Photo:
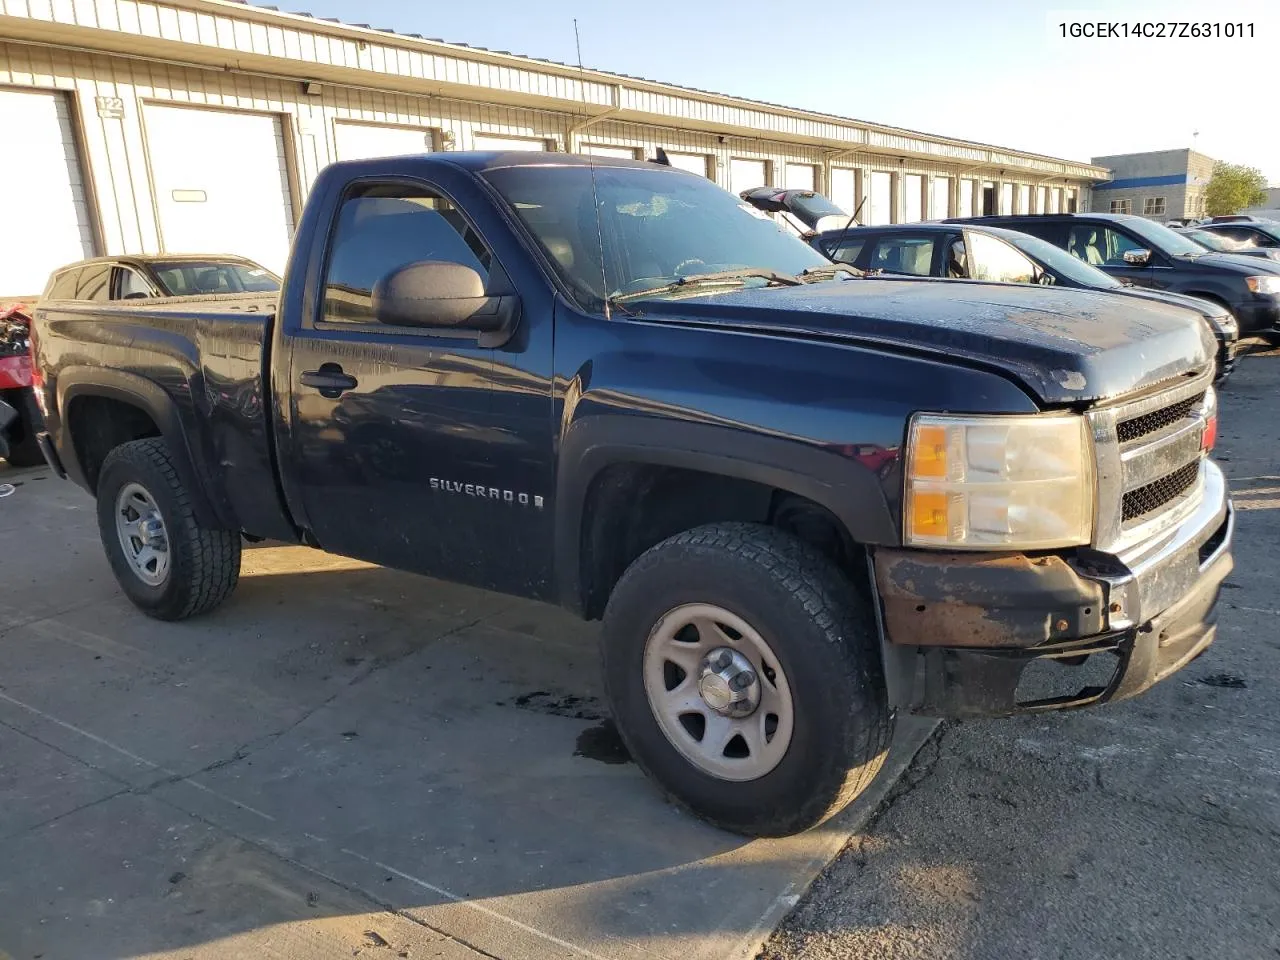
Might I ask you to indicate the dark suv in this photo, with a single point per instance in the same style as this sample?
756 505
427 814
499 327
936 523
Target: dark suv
1152 255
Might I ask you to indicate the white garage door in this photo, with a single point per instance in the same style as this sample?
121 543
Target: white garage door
799 176
912 198
1024 198
844 193
747 174
604 150
966 199
46 219
881 204
359 141
221 183
940 201
495 141
693 162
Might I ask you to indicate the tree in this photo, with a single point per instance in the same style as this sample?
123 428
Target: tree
1232 188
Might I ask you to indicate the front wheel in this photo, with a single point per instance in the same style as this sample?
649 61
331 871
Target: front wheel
744 675
169 565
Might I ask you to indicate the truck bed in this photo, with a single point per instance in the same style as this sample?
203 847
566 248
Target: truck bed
210 355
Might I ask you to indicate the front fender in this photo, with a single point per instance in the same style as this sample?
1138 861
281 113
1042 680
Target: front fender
851 491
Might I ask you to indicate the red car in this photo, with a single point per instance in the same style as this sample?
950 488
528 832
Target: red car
18 442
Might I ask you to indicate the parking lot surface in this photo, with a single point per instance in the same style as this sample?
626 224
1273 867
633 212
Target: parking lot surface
343 760
1149 828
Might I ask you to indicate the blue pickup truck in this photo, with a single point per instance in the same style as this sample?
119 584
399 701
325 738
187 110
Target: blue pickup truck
802 502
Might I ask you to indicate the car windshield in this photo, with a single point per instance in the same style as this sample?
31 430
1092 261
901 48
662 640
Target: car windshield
618 231
1213 241
187 278
1061 262
1163 239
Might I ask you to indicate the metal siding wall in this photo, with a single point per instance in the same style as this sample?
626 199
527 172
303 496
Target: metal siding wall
115 152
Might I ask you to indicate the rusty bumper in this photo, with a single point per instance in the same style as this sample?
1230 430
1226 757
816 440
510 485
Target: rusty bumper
961 630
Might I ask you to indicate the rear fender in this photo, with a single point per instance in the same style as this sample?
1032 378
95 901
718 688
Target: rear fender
79 382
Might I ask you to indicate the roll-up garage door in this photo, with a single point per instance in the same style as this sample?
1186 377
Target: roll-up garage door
799 176
604 150
495 141
844 193
940 198
912 198
747 174
42 195
693 162
221 182
881 204
359 141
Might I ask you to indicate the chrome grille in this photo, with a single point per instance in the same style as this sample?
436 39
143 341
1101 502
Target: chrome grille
1148 499
1149 458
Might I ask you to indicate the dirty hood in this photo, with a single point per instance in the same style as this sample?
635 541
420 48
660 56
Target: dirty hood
1064 346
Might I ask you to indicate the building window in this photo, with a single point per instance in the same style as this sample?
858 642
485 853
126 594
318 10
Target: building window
1122 206
1152 207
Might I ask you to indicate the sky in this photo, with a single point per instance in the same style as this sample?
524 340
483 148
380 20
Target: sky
998 73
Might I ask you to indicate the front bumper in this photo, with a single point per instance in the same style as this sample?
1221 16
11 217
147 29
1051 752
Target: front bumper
1258 315
961 630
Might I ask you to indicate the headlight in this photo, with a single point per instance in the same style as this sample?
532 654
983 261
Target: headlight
1011 483
1270 285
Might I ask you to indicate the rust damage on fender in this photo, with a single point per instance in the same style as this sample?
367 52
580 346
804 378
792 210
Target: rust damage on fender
988 601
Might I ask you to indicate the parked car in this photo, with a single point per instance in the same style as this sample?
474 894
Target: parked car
161 275
1151 255
1236 218
18 434
804 210
1253 235
1221 243
609 385
971 252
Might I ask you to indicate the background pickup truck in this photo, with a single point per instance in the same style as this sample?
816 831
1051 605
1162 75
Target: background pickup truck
800 501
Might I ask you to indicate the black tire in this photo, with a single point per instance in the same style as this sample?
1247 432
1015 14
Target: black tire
23 449
820 630
204 564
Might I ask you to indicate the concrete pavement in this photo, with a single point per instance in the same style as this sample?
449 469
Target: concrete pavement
342 760
1145 829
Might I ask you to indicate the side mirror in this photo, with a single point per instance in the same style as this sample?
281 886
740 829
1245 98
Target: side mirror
445 296
1137 258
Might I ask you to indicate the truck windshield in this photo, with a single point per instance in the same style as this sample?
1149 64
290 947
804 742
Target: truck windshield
628 229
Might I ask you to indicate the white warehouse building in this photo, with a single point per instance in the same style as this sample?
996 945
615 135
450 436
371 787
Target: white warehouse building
150 126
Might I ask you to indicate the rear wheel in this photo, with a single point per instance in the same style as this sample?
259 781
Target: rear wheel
169 565
744 675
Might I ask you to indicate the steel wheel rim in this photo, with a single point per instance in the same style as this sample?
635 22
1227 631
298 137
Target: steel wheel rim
726 747
143 537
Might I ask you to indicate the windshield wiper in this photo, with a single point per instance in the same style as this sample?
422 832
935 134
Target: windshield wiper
810 274
710 279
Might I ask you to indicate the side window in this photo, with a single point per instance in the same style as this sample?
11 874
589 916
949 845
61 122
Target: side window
1099 245
992 259
957 264
845 251
130 286
381 227
907 254
94 283
1248 236
63 285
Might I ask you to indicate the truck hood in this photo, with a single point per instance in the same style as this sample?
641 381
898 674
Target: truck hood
1064 346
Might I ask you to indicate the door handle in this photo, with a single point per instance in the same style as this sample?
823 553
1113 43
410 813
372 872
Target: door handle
329 380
